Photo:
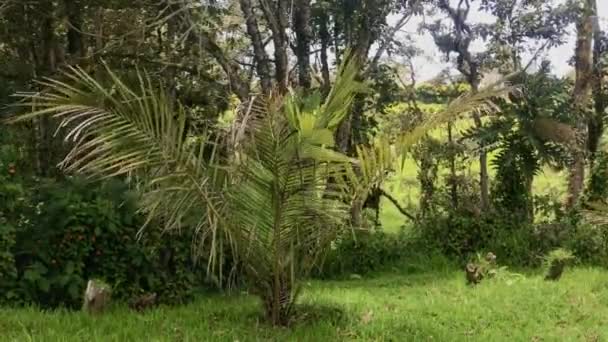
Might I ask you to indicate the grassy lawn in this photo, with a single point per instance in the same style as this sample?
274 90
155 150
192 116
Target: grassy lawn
406 305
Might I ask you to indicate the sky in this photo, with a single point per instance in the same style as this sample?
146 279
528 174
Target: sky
432 61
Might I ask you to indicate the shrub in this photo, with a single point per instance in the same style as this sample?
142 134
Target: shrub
461 235
8 272
78 230
362 253
589 243
11 203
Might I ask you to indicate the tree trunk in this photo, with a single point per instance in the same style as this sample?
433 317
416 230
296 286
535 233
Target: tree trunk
336 40
277 20
325 42
468 66
261 58
74 34
303 36
452 160
46 67
595 124
373 202
580 97
484 181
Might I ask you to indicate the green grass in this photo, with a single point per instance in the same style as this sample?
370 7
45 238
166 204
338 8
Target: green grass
419 306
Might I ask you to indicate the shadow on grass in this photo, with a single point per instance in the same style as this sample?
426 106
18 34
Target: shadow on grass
312 314
305 315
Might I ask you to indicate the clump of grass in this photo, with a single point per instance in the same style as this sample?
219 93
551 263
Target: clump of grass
555 262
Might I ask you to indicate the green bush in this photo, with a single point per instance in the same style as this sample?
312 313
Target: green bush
362 253
461 235
12 199
77 230
589 243
8 271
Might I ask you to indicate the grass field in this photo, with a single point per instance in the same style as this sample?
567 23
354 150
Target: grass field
409 304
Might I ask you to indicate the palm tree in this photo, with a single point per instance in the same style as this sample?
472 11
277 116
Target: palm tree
262 186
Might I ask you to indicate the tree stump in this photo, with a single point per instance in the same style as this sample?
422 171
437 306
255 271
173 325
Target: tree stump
96 297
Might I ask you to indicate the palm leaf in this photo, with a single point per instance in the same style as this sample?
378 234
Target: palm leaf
115 130
374 161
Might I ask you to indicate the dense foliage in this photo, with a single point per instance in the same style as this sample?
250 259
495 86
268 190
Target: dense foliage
56 234
93 236
162 145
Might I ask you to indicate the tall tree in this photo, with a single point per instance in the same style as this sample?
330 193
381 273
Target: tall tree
458 40
595 125
516 26
303 30
581 95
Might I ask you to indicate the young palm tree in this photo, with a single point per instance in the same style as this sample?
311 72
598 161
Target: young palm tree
263 186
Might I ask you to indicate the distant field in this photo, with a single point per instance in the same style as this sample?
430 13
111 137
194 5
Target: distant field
404 186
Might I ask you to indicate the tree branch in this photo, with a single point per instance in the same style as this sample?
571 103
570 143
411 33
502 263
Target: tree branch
390 36
397 205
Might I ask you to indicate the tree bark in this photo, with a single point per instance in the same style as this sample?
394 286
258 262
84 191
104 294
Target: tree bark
260 55
452 160
74 34
580 99
46 67
325 42
303 36
484 179
276 15
595 124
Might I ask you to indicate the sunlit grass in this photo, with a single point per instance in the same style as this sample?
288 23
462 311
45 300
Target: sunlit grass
401 306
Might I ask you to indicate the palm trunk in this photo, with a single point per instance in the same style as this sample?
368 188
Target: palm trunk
278 305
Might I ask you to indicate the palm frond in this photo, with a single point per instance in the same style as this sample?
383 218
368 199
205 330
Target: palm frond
117 130
374 161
